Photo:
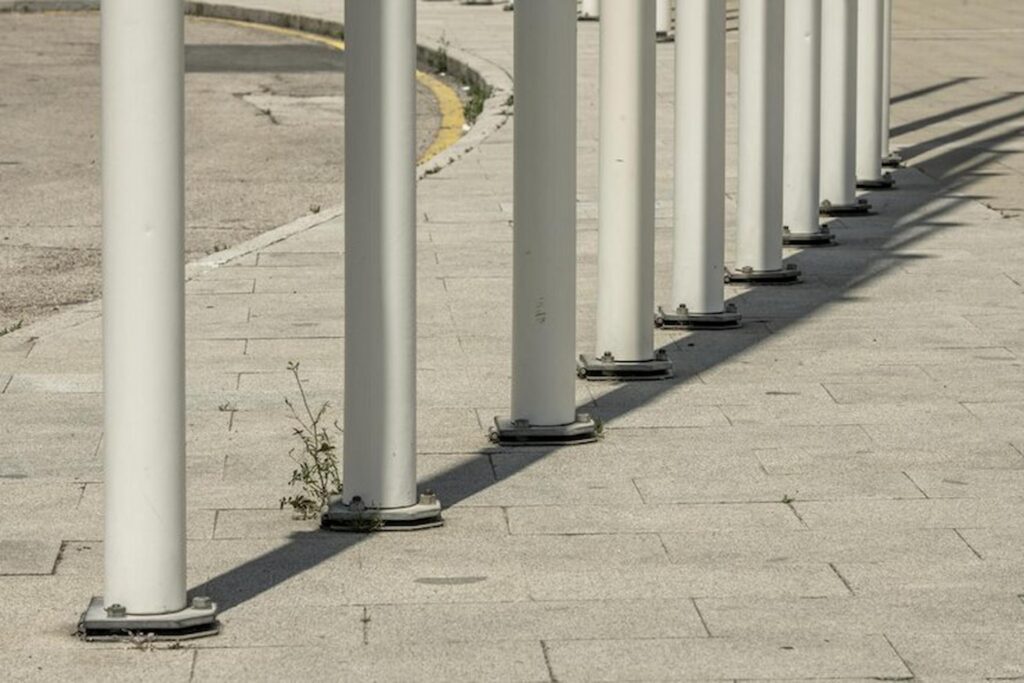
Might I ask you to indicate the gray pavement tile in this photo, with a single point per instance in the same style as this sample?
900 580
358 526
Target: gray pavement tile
28 557
748 546
794 460
996 543
85 662
725 658
968 483
686 581
958 575
986 653
512 661
533 621
892 614
565 519
945 513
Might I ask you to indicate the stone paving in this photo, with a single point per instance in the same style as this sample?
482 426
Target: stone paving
831 492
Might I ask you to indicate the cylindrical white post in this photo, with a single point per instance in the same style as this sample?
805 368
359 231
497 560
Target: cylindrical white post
663 20
544 237
380 269
839 109
801 165
698 245
870 33
888 157
625 290
590 10
142 55
761 101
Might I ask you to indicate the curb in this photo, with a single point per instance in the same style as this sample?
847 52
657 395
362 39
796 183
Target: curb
464 66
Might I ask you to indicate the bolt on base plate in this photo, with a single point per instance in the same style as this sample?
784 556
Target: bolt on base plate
788 275
886 182
509 432
606 368
822 238
355 517
102 624
860 207
892 160
682 319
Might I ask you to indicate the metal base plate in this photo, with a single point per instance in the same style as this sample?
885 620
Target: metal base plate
886 182
606 368
789 275
355 517
822 238
509 432
893 160
861 207
198 620
664 37
682 319
587 17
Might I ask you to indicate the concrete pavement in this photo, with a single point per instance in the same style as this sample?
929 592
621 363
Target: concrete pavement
831 492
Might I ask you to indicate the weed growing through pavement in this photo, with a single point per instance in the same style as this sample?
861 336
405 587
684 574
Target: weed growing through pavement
438 59
13 327
316 471
474 106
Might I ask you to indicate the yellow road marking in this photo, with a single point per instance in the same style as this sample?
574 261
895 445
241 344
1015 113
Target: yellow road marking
452 119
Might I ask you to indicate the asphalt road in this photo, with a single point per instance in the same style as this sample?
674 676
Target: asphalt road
265 144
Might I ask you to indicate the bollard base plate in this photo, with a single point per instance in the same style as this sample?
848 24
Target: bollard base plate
822 238
886 182
509 432
860 207
607 369
664 37
355 517
682 319
789 275
198 620
892 160
587 17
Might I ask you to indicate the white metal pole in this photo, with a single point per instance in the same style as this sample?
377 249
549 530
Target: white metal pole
590 10
663 25
380 270
801 158
839 109
889 157
698 296
625 290
870 33
142 55
544 238
761 96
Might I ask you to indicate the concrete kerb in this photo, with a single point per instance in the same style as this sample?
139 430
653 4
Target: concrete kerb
463 66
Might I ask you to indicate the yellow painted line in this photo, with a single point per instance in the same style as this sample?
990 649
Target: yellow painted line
453 120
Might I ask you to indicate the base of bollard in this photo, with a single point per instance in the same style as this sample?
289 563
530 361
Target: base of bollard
822 238
355 517
102 624
682 319
886 182
860 207
588 17
509 432
789 275
892 160
606 368
664 37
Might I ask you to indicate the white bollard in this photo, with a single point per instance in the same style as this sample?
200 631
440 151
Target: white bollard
544 242
379 484
663 21
801 158
625 290
870 34
142 46
839 110
761 100
698 290
590 10
890 158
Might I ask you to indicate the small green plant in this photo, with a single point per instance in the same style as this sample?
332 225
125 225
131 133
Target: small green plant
786 499
317 459
13 327
474 106
438 59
